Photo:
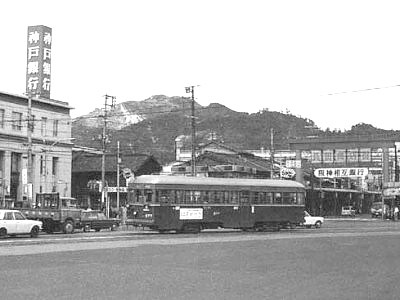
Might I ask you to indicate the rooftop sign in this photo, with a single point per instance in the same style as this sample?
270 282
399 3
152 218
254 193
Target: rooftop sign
39 61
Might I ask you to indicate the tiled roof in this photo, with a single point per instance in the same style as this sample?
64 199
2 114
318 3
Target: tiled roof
92 162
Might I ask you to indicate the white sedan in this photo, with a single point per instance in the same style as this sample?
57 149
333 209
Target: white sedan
310 220
13 222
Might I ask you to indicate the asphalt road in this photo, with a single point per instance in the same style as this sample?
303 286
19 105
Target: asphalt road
351 259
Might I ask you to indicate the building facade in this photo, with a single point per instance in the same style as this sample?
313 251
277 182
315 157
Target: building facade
44 131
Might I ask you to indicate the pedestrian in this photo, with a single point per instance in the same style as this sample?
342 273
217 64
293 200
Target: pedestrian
396 213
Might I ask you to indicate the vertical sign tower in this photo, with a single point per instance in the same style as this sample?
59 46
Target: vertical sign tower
38 69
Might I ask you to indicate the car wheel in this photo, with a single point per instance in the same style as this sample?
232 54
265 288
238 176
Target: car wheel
35 232
69 227
318 224
3 232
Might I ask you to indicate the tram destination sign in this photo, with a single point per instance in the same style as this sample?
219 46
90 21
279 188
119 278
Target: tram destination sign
340 172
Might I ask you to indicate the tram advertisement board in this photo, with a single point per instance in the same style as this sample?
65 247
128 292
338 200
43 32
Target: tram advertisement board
191 214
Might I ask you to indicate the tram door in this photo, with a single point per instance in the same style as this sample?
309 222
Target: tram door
246 210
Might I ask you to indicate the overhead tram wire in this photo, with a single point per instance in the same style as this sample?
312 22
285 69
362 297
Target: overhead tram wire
365 90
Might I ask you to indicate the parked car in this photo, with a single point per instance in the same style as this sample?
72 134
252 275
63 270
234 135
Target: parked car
97 220
348 211
376 209
310 220
13 222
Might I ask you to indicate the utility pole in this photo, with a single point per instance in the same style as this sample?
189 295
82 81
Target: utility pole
104 197
396 164
118 166
29 166
272 153
190 89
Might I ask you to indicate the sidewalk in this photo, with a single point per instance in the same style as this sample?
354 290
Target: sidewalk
360 217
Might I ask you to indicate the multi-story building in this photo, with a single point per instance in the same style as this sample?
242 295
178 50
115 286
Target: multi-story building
49 143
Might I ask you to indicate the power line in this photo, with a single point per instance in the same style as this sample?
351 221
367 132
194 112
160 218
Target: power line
365 90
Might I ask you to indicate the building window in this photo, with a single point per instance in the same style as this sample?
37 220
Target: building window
55 166
365 155
1 164
316 156
42 165
43 126
352 155
328 156
16 121
340 155
2 112
55 128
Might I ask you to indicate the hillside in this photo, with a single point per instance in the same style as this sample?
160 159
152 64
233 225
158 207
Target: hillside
151 126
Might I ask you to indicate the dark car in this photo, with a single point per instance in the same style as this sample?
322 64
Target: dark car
97 220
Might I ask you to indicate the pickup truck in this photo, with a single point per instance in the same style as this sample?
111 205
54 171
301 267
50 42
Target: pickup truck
97 220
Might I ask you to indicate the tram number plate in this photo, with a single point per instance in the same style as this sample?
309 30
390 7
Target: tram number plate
191 214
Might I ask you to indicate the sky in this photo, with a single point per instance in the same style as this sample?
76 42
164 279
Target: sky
334 62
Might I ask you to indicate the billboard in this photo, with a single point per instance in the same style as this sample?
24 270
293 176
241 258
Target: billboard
38 70
340 172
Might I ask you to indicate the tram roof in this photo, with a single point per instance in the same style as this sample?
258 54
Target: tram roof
165 179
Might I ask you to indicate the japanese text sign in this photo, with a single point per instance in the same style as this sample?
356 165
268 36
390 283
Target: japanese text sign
38 69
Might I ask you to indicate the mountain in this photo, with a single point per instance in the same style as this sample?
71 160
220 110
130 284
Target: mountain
152 125
132 112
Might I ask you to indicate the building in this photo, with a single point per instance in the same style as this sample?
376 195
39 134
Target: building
49 142
86 175
218 160
346 170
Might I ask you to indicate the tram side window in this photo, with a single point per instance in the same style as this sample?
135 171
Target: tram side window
192 197
256 198
266 198
217 196
288 198
163 196
148 195
137 196
278 198
244 197
205 196
226 197
300 198
179 196
234 197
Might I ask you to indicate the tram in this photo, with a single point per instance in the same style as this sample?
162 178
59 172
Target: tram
190 204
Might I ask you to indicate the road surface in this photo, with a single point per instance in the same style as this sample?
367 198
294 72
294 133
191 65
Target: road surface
342 260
